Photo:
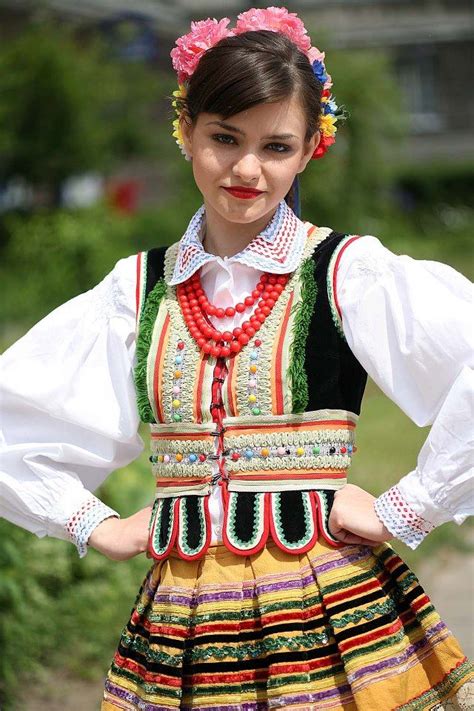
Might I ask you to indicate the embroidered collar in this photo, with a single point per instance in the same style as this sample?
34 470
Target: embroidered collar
277 249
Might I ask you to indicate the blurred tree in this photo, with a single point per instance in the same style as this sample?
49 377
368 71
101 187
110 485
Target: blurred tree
355 178
68 109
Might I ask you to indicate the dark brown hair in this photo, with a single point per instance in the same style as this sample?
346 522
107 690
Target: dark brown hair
253 68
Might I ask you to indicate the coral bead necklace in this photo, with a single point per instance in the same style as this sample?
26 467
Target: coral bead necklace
197 309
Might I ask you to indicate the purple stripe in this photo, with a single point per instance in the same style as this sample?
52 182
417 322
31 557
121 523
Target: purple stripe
341 562
310 698
245 706
132 698
395 661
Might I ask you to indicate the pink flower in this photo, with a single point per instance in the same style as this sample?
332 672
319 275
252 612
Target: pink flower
277 19
190 48
315 55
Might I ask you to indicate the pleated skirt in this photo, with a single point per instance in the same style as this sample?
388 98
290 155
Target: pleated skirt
348 628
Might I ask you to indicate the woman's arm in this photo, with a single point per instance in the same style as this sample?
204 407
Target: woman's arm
408 322
69 414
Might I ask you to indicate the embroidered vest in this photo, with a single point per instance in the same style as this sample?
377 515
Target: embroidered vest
283 435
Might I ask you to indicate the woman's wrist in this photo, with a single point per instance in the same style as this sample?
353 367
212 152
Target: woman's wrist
122 538
102 532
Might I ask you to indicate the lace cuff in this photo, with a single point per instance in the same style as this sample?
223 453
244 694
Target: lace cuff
81 524
396 514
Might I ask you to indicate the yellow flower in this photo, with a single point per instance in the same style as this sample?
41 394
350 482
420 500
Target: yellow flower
327 125
180 93
177 132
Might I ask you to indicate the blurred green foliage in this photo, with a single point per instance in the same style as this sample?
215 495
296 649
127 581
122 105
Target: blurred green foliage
65 109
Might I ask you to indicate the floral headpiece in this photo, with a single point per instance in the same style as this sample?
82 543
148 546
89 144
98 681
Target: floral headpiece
206 33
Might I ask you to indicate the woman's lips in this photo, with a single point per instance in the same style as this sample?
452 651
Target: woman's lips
244 193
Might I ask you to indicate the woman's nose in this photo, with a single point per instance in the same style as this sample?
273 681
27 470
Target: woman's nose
247 167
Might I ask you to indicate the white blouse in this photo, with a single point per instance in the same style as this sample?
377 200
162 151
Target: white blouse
69 409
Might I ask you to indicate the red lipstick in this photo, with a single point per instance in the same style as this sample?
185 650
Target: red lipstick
243 193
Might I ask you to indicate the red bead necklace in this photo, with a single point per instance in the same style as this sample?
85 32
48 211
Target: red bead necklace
196 309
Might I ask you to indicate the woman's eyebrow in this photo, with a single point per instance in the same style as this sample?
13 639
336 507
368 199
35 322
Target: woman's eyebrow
228 127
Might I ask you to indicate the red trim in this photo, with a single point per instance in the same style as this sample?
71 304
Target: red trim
230 394
181 435
334 275
207 540
266 526
285 474
278 359
151 550
226 678
279 542
151 676
420 602
331 541
284 425
156 372
370 637
138 284
352 593
202 368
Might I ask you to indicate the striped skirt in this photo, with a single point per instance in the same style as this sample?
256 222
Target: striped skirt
346 628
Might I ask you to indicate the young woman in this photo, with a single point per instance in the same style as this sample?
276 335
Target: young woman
272 585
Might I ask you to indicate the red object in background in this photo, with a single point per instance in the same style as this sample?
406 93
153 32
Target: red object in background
124 195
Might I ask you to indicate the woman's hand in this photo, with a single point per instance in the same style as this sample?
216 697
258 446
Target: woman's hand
122 538
353 518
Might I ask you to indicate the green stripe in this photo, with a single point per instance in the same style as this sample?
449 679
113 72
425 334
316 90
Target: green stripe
145 331
296 369
167 691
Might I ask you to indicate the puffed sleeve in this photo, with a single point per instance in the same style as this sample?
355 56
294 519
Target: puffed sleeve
69 414
409 323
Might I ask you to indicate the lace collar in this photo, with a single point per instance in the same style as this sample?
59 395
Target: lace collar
277 249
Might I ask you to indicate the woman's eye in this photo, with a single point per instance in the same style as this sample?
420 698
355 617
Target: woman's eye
225 138
278 147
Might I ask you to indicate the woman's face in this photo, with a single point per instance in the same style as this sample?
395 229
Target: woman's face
262 148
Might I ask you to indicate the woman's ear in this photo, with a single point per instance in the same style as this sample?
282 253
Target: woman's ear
310 147
186 127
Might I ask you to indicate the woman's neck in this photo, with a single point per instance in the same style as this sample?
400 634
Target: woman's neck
224 238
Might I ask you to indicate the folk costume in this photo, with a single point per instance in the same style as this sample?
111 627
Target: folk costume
250 602
250 372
